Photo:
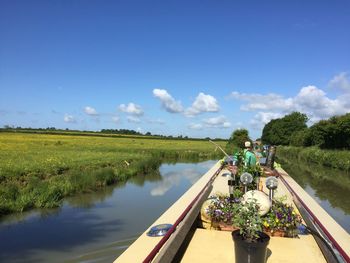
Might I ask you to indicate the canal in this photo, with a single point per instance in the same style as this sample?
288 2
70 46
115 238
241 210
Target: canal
96 227
329 187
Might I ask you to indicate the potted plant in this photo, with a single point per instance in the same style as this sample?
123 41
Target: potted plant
221 210
282 220
250 242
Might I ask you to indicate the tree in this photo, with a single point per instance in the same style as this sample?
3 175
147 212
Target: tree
333 133
299 138
280 131
237 139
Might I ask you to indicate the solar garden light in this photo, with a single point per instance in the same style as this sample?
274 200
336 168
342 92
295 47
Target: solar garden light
159 230
246 178
257 180
232 182
271 184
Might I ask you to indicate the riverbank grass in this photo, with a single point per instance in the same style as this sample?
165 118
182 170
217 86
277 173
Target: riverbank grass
39 170
339 159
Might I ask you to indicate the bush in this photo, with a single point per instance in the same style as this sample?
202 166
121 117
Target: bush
237 139
339 159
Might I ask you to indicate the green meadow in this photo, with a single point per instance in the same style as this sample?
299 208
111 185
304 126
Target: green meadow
39 170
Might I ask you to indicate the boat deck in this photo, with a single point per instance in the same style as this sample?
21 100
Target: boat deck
207 245
217 246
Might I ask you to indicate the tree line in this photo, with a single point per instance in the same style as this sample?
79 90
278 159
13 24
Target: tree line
333 133
112 132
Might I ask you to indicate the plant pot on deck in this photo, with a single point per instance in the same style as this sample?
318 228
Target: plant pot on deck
223 226
247 251
275 233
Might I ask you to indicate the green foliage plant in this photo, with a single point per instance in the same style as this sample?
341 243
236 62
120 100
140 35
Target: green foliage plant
248 220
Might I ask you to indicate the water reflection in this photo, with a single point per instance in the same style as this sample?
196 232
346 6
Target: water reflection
87 200
173 178
329 187
95 227
65 231
140 180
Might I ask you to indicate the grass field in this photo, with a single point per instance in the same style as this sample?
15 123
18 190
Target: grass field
39 170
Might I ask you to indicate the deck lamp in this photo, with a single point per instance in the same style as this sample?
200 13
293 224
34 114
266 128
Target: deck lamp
271 184
246 178
231 184
232 179
257 180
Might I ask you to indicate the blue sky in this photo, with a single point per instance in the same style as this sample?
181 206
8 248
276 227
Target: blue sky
191 68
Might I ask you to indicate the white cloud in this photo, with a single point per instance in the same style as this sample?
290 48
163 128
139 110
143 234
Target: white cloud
262 118
340 82
115 119
133 119
195 126
90 111
203 103
168 102
255 101
132 109
215 122
69 119
156 121
310 100
316 104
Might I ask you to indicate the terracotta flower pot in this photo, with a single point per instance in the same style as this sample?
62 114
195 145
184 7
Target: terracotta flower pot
275 233
224 227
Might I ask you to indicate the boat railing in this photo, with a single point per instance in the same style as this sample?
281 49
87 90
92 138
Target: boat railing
331 249
187 218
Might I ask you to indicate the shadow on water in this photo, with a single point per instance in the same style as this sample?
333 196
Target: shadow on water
330 186
19 243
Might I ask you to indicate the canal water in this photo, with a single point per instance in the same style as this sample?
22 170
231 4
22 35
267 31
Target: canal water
96 227
329 187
